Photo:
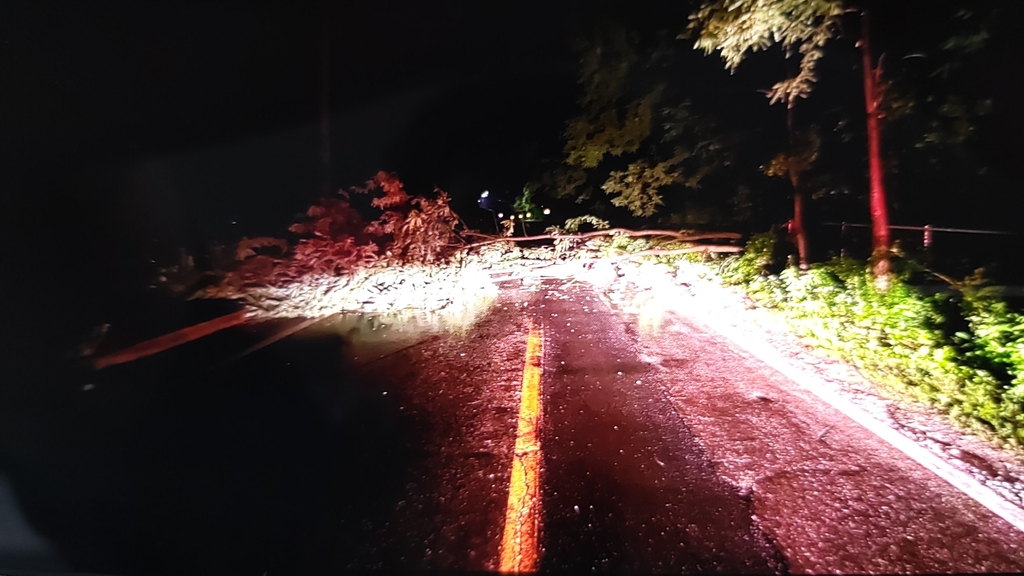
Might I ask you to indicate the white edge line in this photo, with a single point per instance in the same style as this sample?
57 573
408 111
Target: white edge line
958 479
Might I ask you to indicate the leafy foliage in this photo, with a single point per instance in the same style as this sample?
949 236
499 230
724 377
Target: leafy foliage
427 232
633 137
900 338
684 149
621 243
572 225
802 154
589 138
738 27
636 187
335 239
328 256
995 340
525 204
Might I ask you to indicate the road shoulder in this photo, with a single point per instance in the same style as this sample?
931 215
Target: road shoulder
831 495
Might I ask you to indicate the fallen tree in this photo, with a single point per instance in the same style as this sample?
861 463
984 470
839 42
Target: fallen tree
710 249
414 256
673 234
168 341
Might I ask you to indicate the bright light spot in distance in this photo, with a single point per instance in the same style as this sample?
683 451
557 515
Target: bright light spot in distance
501 215
547 211
529 215
485 194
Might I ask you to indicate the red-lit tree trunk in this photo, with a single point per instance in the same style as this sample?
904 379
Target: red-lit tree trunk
797 228
877 200
799 231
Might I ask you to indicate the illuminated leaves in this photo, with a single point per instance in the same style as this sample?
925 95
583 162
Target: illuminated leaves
803 153
589 139
525 204
435 232
319 255
736 28
394 190
899 337
419 229
613 124
629 143
787 91
572 225
335 239
637 188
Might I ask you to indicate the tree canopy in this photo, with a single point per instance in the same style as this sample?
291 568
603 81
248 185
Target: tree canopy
636 134
736 28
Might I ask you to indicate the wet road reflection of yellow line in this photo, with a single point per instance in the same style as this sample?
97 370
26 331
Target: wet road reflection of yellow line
519 543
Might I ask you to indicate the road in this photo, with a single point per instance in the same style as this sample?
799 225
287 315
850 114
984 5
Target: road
654 445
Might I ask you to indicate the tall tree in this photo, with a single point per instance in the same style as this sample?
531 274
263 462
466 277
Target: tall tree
633 137
873 95
736 28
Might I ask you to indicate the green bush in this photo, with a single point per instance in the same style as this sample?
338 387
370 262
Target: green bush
963 353
620 243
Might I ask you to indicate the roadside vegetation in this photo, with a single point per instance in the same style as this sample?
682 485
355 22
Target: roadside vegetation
961 351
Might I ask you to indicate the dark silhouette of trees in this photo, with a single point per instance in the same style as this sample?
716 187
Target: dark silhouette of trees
737 28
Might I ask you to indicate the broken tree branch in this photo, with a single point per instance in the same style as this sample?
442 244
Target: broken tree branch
675 235
677 251
167 341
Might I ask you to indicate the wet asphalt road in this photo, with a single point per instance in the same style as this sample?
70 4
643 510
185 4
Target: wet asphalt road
357 445
627 487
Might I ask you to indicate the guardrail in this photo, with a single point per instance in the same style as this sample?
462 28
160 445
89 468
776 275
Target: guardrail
927 230
1011 278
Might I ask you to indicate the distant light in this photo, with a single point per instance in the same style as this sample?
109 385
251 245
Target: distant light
485 194
501 215
529 215
512 217
547 211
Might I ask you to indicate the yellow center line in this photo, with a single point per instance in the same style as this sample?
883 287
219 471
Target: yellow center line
519 544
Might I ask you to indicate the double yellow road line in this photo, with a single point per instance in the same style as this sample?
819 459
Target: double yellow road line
520 541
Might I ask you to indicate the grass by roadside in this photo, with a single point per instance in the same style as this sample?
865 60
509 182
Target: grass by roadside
962 352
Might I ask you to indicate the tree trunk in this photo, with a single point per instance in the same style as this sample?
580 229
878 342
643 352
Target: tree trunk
798 230
877 200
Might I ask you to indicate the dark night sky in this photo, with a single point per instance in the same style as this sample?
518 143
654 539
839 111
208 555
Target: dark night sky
219 104
132 128
128 129
155 107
